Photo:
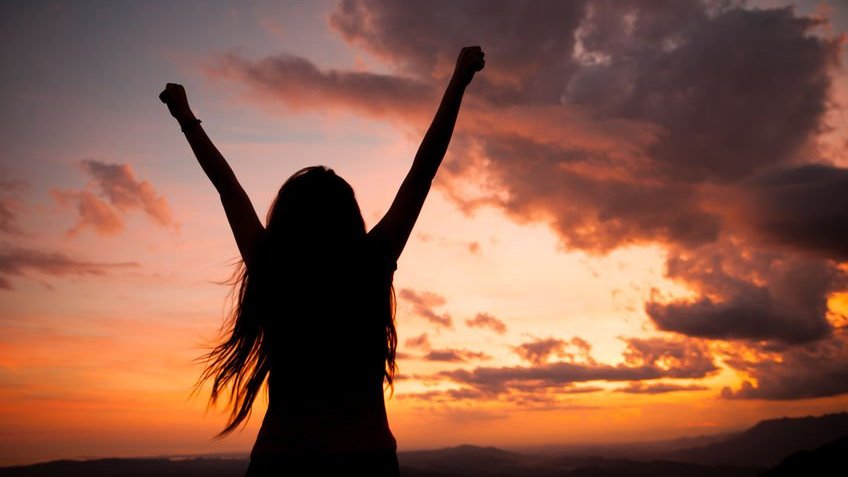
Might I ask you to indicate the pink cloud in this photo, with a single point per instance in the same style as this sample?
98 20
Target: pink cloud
422 341
10 205
92 212
541 350
425 303
16 261
114 191
485 320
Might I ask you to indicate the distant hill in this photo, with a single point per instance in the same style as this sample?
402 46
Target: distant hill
462 461
768 442
826 461
746 454
473 461
466 460
643 450
141 467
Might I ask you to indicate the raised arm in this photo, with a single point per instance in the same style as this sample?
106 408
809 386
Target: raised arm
394 228
240 213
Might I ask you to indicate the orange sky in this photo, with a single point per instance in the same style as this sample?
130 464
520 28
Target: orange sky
581 307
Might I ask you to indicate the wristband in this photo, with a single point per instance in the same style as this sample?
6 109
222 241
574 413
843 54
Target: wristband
186 124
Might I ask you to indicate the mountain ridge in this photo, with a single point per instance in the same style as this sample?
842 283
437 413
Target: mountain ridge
748 453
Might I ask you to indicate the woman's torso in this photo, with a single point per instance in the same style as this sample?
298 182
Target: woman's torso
326 378
326 425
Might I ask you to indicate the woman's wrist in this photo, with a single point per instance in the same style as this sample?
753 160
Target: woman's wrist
189 124
458 81
186 119
183 114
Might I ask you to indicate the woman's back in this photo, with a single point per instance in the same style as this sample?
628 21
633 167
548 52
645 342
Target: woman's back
327 353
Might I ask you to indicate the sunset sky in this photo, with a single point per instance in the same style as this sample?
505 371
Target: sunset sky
639 232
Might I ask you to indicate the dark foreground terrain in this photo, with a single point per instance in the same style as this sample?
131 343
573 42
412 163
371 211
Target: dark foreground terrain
811 446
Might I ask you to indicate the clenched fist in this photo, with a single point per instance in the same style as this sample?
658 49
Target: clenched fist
174 96
469 62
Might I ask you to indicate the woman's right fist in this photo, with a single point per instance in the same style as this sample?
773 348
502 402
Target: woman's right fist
174 96
470 61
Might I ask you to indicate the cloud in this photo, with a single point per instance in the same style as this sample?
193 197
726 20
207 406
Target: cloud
540 350
527 39
455 355
444 355
485 320
300 85
645 359
115 190
444 395
117 182
722 118
680 358
659 388
422 341
530 399
756 296
818 369
548 385
7 215
499 380
10 205
424 304
16 261
92 212
726 116
803 207
605 119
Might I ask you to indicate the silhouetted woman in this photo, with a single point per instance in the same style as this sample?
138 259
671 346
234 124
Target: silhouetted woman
315 307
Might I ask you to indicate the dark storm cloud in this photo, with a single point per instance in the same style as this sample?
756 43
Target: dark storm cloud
725 115
531 40
817 369
803 207
760 296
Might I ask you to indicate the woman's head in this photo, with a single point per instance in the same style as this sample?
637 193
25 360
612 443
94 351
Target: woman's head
315 208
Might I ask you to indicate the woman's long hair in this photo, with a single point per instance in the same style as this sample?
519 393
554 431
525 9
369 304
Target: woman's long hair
314 219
